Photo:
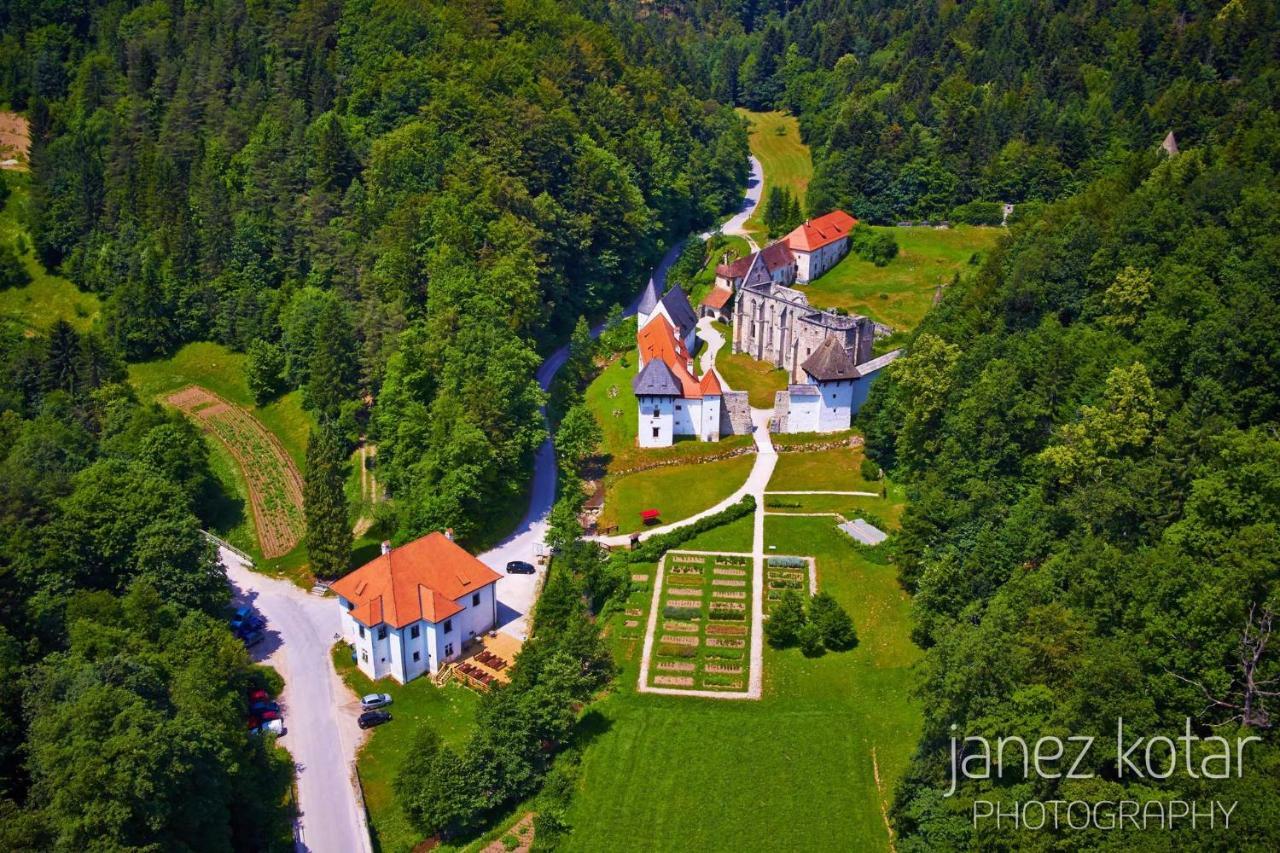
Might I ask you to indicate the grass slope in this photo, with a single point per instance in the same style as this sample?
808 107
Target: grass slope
760 379
901 293
774 138
47 297
679 491
793 771
824 470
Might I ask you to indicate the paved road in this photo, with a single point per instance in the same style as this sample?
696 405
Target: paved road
755 185
319 709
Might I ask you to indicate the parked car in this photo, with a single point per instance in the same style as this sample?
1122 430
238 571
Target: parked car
374 700
259 707
276 727
520 567
253 638
269 715
253 623
259 696
369 719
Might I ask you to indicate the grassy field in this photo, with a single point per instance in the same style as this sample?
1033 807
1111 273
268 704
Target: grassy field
824 470
47 297
679 491
794 771
217 368
760 379
450 710
734 536
610 399
774 138
901 293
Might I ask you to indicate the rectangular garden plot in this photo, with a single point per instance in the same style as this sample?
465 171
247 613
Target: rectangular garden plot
702 630
784 573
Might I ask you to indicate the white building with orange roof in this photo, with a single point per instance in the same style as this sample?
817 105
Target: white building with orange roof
671 401
409 610
819 244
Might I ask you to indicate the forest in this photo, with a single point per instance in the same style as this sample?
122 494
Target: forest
915 108
402 202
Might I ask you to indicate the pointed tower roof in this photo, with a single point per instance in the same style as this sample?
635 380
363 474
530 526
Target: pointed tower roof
656 380
830 361
1170 144
648 299
710 384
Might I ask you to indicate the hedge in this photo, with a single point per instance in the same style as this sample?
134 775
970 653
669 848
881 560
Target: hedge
652 549
979 213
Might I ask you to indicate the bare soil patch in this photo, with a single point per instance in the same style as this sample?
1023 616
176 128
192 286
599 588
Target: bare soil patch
15 141
275 485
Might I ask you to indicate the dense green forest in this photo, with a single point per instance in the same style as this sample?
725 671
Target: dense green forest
408 200
122 691
913 108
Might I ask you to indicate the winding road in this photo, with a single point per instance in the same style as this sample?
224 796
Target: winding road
319 709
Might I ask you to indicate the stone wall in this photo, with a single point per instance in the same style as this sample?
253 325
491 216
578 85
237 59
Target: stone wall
735 414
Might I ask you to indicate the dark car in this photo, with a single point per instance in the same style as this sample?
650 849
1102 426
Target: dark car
253 638
369 719
520 567
260 707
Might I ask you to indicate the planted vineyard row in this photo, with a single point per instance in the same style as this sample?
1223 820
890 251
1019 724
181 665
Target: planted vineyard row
275 485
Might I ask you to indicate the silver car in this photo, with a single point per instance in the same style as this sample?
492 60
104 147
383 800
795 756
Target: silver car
374 700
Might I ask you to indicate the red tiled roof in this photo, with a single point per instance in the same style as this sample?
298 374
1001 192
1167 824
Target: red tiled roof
736 269
816 233
718 297
710 384
420 580
658 339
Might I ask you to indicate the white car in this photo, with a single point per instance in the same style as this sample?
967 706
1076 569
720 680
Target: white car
374 700
276 727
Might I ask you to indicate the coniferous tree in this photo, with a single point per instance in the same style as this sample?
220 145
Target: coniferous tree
786 621
834 625
325 503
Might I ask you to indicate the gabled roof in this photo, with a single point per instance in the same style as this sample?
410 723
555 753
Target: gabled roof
718 297
736 269
656 380
421 580
776 255
678 308
710 384
816 233
803 390
830 361
658 340
648 299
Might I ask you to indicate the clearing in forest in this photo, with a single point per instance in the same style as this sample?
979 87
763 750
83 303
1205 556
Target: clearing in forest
275 486
774 138
15 141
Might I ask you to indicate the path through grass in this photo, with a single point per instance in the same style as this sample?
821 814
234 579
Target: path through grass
774 138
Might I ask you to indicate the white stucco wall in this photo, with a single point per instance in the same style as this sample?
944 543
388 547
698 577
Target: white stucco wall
811 265
709 429
686 416
835 413
803 413
662 421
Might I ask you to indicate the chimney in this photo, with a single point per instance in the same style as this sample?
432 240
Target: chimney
386 546
448 533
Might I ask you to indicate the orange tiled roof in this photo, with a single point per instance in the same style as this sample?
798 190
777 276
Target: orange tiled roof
420 580
717 297
710 384
658 339
816 233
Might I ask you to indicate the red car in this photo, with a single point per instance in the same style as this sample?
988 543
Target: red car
259 696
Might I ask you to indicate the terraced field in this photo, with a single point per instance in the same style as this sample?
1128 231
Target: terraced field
275 485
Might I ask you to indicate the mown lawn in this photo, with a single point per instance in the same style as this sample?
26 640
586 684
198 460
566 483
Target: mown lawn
793 771
774 138
450 710
679 491
760 379
901 293
47 297
835 470
610 399
736 536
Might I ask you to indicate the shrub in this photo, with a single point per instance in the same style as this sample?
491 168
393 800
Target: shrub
783 627
879 247
979 213
833 623
810 638
870 470
671 650
651 550
788 563
12 272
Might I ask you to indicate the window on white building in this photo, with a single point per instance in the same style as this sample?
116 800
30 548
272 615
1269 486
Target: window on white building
361 631
475 600
413 634
417 656
448 650
448 625
364 656
655 432
382 632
